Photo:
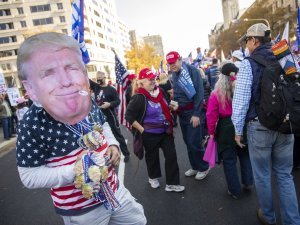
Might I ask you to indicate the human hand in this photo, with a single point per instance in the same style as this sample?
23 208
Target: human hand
141 130
105 105
114 155
173 107
195 121
211 136
238 140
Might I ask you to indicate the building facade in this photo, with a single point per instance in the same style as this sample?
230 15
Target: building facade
230 11
156 42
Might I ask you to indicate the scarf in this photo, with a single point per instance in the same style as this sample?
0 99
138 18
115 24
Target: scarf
185 82
159 99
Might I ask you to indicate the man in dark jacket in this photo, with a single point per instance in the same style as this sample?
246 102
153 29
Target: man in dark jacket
212 73
188 93
270 151
107 99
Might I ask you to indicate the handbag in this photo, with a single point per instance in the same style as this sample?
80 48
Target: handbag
138 147
210 152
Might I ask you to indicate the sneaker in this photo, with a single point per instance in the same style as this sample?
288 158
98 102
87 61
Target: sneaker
201 175
176 188
154 183
190 173
247 188
231 195
262 219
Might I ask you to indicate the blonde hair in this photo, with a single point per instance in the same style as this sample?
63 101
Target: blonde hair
224 87
38 42
163 78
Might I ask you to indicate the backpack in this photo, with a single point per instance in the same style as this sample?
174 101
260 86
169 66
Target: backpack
278 108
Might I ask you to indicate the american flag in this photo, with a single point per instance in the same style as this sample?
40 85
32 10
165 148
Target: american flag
78 28
122 84
161 67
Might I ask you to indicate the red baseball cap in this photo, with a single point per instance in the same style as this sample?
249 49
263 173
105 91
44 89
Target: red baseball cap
131 76
146 73
172 57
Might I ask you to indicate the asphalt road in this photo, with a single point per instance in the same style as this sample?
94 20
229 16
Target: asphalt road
204 202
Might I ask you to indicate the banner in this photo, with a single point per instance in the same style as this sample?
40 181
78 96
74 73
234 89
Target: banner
185 82
3 86
13 94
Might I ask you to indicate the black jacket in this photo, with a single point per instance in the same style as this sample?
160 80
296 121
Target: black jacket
136 110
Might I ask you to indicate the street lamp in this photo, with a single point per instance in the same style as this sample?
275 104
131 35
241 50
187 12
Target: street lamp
266 21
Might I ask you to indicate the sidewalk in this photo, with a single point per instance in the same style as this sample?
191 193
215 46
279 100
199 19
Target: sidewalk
6 144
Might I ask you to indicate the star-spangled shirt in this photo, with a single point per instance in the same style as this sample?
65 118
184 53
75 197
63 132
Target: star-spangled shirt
44 142
41 137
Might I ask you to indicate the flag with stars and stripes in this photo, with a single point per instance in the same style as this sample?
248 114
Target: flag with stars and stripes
161 67
122 84
78 28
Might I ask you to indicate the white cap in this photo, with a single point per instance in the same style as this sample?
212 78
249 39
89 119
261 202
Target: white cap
238 54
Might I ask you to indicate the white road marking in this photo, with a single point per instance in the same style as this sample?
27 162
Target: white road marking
121 170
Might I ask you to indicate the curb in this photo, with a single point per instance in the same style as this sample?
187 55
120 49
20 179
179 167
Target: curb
7 145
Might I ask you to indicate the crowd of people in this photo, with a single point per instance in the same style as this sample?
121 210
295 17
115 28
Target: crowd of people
74 119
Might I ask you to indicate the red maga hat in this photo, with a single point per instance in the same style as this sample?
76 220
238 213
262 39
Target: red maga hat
146 73
172 57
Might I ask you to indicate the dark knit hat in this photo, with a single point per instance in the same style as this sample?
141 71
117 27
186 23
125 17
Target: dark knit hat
228 68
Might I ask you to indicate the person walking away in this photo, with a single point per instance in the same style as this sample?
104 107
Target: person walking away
220 127
270 152
5 116
212 73
189 99
64 128
150 117
107 99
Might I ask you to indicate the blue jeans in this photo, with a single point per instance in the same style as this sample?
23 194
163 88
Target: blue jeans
229 156
272 151
7 127
193 139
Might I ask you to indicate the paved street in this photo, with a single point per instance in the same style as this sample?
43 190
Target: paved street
203 202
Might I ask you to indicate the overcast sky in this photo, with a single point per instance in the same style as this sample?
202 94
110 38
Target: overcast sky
183 25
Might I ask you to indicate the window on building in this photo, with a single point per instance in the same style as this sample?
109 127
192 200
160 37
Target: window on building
109 30
91 68
65 31
107 20
62 19
23 24
6 26
95 2
105 1
102 45
59 6
20 11
5 12
289 8
96 13
11 39
8 53
98 24
6 67
40 8
44 21
100 35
